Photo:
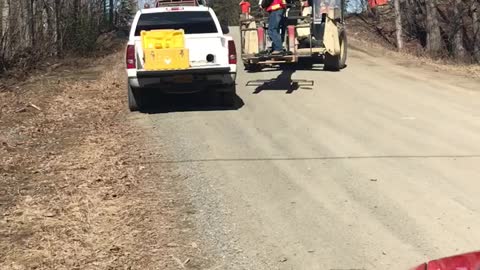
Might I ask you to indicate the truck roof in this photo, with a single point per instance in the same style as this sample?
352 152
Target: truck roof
174 9
164 3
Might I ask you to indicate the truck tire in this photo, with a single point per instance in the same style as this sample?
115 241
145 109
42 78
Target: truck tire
337 62
134 99
227 98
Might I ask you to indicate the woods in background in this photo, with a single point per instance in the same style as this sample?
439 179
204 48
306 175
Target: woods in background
228 10
31 30
442 28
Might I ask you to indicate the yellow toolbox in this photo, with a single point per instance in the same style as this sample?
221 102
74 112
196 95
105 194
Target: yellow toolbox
166 59
165 50
163 39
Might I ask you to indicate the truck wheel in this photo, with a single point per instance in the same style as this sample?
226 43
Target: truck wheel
227 98
134 99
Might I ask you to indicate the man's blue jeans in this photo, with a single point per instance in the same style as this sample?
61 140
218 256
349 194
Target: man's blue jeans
276 21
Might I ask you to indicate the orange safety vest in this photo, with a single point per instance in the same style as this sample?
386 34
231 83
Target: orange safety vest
375 3
276 5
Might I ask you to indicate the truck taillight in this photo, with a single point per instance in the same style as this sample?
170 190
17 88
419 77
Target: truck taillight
232 53
130 58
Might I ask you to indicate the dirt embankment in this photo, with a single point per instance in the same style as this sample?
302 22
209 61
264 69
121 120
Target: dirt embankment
79 189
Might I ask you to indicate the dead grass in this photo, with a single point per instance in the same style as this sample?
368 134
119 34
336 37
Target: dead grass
77 186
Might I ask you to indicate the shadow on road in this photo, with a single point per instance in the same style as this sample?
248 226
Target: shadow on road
170 103
282 82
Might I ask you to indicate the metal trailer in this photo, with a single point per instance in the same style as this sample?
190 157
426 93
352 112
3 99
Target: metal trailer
324 36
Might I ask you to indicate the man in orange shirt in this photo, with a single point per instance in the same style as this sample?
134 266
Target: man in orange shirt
276 24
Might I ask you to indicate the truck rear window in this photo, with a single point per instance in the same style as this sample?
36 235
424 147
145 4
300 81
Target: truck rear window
192 22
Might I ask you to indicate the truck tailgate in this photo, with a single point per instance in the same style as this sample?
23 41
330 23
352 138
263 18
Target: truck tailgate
199 46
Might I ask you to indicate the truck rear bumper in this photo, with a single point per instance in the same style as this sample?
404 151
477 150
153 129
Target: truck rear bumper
190 80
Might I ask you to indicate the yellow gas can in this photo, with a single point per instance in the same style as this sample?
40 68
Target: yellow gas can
166 59
163 39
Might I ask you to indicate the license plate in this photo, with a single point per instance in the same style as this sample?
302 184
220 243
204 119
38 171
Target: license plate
183 78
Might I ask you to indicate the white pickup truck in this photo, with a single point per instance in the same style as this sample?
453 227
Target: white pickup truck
212 55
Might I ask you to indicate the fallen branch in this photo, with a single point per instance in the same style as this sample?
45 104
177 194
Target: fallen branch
24 109
178 261
34 106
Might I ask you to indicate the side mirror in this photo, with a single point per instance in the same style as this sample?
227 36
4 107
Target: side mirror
225 28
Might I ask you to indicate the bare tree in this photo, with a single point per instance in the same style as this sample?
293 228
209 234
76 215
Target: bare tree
34 29
398 24
111 12
441 27
31 21
457 31
1 17
434 38
476 29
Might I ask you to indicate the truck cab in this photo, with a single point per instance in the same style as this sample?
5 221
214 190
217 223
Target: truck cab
212 59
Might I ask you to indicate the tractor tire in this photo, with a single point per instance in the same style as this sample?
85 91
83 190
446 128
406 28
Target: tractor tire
253 67
331 62
134 99
337 62
343 49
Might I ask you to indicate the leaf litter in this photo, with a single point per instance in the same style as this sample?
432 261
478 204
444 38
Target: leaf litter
77 189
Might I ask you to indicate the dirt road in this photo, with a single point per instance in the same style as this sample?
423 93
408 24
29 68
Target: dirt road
374 167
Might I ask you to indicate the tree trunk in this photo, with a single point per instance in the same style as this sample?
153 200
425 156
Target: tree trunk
76 11
398 24
111 13
4 14
105 12
31 22
4 7
434 38
51 32
458 49
58 28
476 29
1 17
